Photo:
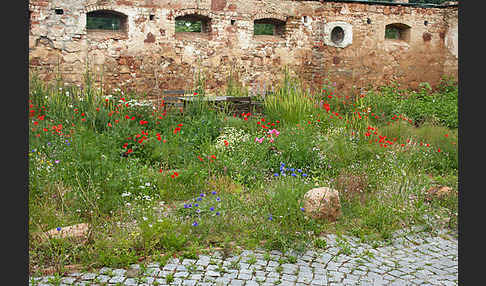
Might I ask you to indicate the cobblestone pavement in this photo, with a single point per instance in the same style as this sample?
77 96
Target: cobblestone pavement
410 259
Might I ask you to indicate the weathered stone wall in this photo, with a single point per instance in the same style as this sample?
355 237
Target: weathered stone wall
150 56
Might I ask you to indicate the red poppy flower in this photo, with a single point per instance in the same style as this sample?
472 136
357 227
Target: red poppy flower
226 143
109 124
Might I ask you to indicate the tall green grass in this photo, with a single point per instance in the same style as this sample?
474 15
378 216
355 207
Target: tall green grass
290 103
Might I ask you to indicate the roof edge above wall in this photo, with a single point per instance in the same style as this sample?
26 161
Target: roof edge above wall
419 5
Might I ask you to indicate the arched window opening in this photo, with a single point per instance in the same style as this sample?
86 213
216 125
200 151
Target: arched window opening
269 26
193 23
106 20
397 31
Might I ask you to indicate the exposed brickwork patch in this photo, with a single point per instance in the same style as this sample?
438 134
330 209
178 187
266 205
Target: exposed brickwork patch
150 38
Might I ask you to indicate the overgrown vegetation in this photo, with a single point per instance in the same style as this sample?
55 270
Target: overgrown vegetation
153 184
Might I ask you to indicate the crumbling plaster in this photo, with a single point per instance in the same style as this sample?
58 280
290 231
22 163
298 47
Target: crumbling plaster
150 56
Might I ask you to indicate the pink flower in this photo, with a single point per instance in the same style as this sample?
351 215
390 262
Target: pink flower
274 131
259 140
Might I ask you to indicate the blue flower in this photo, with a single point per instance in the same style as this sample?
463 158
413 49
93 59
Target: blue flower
195 223
199 199
302 209
202 194
270 217
282 164
294 174
185 206
211 208
58 228
218 199
275 175
304 175
292 169
213 192
299 170
217 213
196 205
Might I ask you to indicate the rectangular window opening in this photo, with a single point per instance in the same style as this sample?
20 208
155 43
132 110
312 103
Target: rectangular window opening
59 11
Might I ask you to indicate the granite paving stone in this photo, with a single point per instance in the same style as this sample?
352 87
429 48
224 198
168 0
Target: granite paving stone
433 261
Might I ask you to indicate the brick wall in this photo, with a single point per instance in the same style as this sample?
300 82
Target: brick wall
149 55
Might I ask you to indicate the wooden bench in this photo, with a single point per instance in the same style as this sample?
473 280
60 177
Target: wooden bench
240 103
170 100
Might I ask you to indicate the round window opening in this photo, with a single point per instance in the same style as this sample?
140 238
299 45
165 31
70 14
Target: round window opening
337 35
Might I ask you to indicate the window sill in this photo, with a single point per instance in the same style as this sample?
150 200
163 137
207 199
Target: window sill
191 36
268 38
107 35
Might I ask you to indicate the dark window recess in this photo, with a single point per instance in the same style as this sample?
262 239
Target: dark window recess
273 27
192 23
368 21
397 31
305 19
233 22
59 11
152 17
106 20
426 22
337 35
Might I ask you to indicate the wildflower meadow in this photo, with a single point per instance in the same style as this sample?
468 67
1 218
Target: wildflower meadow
154 184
